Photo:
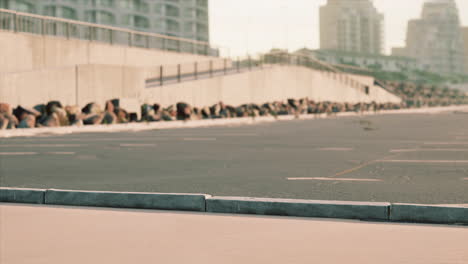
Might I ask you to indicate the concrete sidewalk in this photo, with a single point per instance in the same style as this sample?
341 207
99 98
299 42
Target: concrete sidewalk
39 234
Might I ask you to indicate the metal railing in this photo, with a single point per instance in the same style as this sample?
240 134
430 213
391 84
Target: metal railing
73 29
171 74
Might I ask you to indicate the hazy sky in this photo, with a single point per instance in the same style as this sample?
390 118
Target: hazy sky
252 26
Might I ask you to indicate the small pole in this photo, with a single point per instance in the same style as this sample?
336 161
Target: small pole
43 27
225 66
238 64
211 68
111 31
161 73
68 30
15 22
250 63
196 70
178 73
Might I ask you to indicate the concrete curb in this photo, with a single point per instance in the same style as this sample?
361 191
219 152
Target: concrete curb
135 127
15 195
434 214
300 208
397 212
159 201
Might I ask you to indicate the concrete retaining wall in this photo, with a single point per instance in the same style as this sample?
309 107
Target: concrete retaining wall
242 205
98 83
27 52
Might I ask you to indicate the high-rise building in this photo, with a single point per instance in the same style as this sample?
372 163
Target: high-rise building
179 18
465 40
352 26
436 38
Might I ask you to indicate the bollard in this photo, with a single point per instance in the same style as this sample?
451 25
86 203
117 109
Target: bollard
161 73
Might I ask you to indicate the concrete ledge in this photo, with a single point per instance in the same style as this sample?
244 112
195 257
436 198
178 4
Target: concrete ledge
16 195
159 201
433 214
300 208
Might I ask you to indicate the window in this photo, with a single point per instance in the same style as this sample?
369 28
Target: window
172 11
136 21
101 17
134 5
172 26
22 6
104 3
60 11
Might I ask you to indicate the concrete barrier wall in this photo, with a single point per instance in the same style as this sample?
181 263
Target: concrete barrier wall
259 86
26 52
98 83
34 87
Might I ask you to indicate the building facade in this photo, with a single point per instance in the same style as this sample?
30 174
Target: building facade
180 18
351 26
465 40
436 38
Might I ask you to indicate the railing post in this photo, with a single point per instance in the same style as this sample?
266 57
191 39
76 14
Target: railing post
161 75
43 27
196 70
250 63
238 64
163 44
68 30
111 31
15 22
225 66
211 68
130 39
179 78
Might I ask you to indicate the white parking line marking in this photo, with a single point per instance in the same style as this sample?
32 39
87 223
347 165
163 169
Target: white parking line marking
428 150
423 161
336 149
137 145
199 139
42 145
60 153
18 153
334 179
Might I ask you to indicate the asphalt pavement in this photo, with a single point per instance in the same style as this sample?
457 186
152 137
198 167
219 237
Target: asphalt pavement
411 158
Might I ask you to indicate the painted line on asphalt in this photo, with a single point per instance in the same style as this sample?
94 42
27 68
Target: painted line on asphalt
199 139
60 153
423 161
18 153
335 149
362 166
428 150
42 145
137 145
333 179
